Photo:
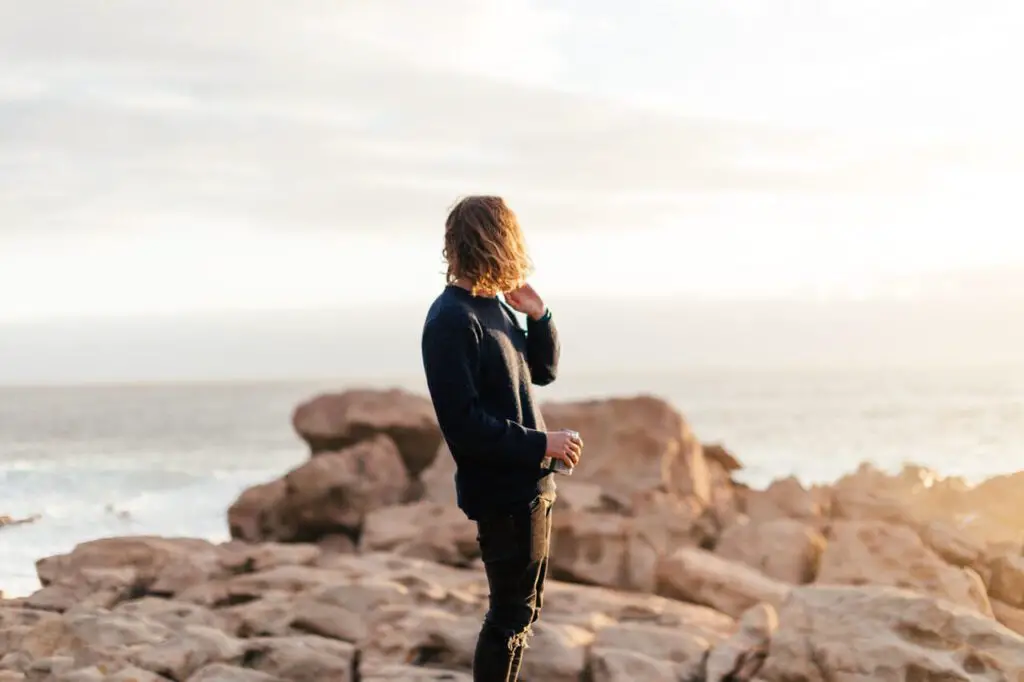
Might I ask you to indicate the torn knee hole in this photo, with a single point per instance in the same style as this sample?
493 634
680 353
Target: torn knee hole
516 639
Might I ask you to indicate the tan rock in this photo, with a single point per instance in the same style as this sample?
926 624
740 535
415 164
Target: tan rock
700 577
90 587
558 652
220 672
188 650
175 615
243 557
995 508
336 421
91 636
955 545
874 552
113 569
253 516
270 616
676 646
419 635
327 495
1007 579
634 445
20 616
883 633
107 674
741 656
425 530
717 453
438 480
291 579
616 551
51 666
784 498
872 495
600 549
580 496
594 608
343 611
382 671
913 497
1009 616
333 492
622 665
133 674
784 549
337 543
302 658
724 501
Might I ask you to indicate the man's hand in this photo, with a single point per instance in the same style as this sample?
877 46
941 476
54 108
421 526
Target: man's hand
564 446
527 301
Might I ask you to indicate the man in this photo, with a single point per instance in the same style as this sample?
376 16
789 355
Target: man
480 364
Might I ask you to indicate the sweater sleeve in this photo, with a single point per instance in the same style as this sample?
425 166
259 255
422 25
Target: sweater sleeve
451 360
542 349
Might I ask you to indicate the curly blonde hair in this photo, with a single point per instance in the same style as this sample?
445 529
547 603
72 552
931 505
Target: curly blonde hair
484 245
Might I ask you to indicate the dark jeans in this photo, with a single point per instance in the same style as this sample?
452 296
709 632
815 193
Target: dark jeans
514 547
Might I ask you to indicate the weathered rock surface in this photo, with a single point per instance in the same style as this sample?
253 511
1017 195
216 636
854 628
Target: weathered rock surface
788 550
883 633
786 498
292 613
633 446
335 421
875 552
426 530
700 577
329 494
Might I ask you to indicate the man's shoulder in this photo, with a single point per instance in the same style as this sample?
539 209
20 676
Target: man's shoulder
447 310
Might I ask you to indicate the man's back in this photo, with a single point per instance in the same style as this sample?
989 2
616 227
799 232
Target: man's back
480 364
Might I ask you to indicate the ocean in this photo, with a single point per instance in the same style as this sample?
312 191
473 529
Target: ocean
168 459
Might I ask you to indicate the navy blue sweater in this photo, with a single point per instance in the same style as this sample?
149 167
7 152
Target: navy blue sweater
480 364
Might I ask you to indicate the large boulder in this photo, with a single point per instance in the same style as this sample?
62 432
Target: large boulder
107 572
102 573
621 552
335 421
788 550
255 514
426 530
879 553
913 497
882 633
633 446
787 498
327 495
700 577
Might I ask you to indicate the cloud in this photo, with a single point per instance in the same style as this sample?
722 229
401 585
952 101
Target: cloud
357 116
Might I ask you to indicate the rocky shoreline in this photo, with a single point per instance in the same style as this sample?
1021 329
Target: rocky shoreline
356 566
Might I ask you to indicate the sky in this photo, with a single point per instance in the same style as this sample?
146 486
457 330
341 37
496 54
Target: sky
167 157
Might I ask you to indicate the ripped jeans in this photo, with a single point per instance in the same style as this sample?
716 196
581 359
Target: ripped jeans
514 547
